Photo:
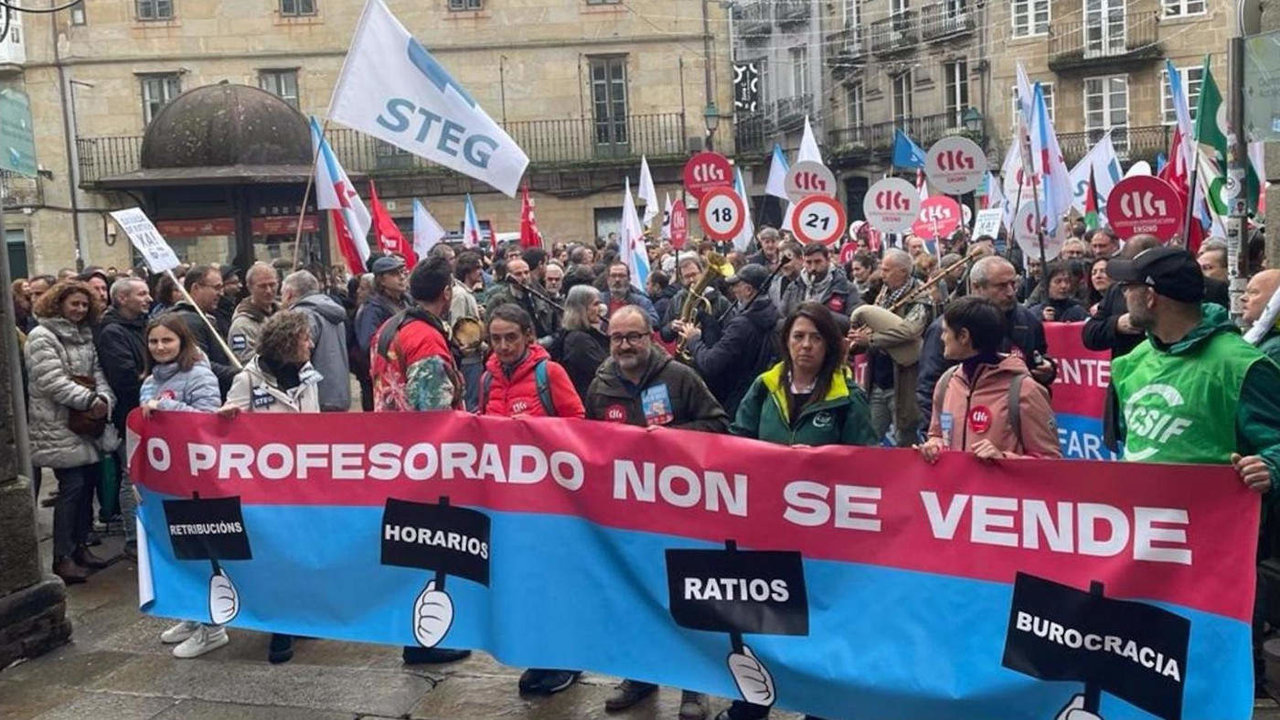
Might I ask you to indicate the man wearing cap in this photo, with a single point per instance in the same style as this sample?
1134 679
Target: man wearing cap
744 348
1217 398
389 296
1193 391
1256 296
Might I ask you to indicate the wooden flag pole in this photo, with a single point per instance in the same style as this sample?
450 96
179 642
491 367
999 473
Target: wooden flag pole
306 195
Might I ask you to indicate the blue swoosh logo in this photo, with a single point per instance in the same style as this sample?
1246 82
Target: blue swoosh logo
434 71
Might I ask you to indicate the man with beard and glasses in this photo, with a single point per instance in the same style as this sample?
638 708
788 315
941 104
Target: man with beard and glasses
641 385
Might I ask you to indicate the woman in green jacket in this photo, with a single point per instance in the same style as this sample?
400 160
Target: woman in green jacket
807 399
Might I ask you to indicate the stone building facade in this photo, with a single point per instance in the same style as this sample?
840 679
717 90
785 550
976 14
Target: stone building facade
585 86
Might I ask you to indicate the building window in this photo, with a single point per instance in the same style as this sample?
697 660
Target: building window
609 100
15 33
294 8
1046 89
158 91
155 9
1030 17
853 105
898 7
800 71
281 83
1192 79
77 14
457 5
765 92
1183 8
903 107
956 88
1106 107
851 11
1104 28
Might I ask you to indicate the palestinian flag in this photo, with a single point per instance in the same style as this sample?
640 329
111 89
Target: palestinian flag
1091 205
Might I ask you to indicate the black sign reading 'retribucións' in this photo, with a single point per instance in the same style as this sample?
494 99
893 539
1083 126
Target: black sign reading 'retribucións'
207 529
445 538
750 591
1135 651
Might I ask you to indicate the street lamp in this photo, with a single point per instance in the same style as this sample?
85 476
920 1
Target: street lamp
972 120
711 115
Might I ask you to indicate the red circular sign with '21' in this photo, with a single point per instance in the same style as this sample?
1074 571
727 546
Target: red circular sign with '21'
818 218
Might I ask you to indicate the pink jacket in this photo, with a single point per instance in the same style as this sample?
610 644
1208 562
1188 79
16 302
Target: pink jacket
963 414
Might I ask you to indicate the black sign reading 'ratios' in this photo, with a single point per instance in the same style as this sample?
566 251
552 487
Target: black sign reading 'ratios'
757 592
446 538
207 529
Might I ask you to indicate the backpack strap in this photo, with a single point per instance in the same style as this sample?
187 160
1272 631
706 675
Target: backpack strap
486 384
940 390
1015 408
543 385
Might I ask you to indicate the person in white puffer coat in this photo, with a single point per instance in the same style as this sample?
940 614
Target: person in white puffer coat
66 376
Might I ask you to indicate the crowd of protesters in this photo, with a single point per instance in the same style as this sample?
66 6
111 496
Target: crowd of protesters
763 344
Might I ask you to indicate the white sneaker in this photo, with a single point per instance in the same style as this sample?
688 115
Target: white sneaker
207 638
179 632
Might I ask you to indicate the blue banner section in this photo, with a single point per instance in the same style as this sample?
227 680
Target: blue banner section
1081 438
882 643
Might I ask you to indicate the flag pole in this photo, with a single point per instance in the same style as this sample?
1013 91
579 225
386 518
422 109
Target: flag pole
306 194
1191 198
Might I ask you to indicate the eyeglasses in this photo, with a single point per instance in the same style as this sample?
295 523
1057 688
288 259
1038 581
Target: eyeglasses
632 338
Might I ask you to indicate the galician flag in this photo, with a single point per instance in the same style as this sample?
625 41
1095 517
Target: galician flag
335 193
392 88
631 245
426 231
1056 197
743 240
647 193
471 236
776 185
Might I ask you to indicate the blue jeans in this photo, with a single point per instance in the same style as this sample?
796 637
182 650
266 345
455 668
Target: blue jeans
128 503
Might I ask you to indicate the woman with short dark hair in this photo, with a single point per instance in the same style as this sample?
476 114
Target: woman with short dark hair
582 346
988 404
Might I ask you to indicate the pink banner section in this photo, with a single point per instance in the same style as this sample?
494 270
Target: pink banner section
1083 374
1179 534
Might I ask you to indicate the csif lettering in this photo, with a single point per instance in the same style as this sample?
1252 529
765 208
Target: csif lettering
449 137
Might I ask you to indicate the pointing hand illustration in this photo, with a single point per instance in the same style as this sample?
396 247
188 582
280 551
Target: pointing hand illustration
224 601
1074 710
432 615
753 678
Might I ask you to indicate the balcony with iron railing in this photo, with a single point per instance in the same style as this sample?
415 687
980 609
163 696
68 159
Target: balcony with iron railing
753 134
1105 43
755 19
1131 143
577 141
858 140
899 33
945 19
789 113
793 11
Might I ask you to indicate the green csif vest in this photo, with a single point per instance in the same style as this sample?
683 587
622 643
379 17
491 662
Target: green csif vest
1182 408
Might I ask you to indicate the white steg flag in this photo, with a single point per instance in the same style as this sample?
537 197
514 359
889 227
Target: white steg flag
647 193
748 232
631 242
392 88
426 231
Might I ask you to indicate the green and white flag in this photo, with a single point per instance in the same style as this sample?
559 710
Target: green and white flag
1214 135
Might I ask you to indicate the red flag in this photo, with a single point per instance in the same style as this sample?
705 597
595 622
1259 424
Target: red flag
529 235
390 239
1177 174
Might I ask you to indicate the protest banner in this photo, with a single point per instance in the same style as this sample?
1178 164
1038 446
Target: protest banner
886 587
1079 392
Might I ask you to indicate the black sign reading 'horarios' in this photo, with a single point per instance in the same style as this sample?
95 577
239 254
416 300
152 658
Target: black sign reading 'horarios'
1135 651
207 529
749 591
445 538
